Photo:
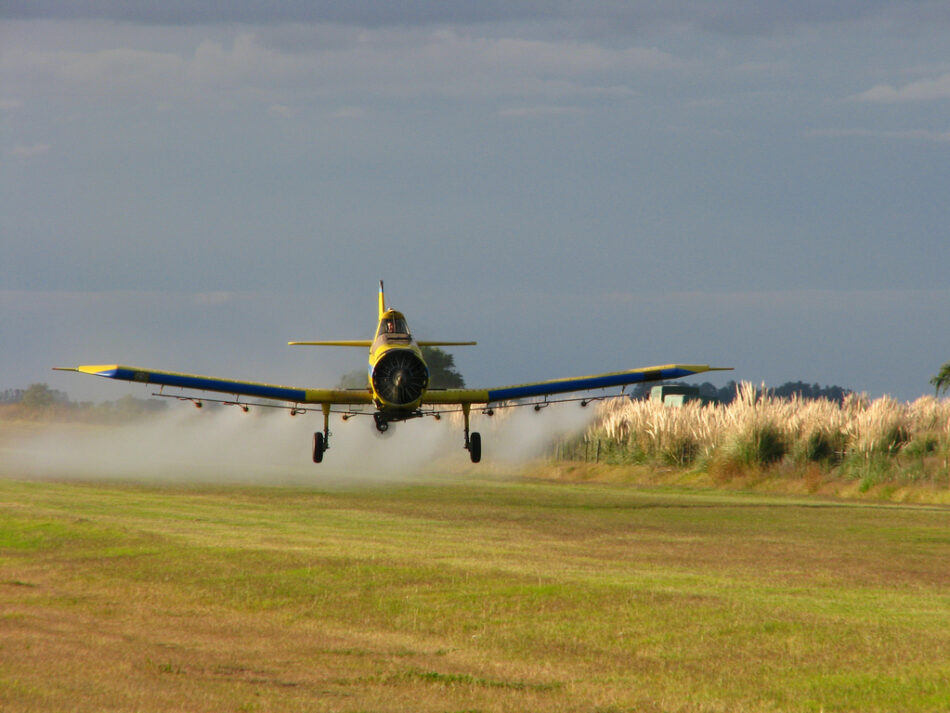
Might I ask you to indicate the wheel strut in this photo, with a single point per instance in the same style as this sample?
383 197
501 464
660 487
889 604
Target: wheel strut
473 440
466 410
321 441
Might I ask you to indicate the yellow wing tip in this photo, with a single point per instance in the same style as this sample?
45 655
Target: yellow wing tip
88 368
97 368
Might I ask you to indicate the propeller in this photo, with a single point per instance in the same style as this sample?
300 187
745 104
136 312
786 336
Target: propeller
400 377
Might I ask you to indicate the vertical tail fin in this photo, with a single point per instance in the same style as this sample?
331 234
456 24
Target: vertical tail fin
382 300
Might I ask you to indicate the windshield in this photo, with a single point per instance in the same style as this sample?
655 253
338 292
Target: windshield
395 324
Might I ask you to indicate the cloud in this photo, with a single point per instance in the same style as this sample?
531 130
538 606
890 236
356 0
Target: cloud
110 71
247 62
282 111
349 112
31 151
214 298
728 17
921 90
325 61
909 134
363 13
534 111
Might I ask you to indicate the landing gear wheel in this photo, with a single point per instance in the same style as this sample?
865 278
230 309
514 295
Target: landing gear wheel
382 425
318 447
475 446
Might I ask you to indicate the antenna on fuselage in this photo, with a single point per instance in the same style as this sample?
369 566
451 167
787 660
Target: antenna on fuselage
382 300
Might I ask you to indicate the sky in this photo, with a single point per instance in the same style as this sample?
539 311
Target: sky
580 187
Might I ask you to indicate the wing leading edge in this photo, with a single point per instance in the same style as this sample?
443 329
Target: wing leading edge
227 386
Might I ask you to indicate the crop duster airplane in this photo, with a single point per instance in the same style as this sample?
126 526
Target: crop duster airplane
398 384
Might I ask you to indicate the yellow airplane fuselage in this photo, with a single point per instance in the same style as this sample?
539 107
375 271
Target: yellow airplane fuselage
398 375
398 378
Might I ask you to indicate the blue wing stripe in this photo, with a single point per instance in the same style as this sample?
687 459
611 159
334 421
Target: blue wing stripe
186 381
584 383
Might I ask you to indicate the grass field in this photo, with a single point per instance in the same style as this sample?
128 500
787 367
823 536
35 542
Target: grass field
462 595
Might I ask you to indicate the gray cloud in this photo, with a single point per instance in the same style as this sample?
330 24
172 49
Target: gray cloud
902 135
382 62
736 17
30 151
918 91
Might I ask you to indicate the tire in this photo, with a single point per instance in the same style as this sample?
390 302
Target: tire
318 447
475 446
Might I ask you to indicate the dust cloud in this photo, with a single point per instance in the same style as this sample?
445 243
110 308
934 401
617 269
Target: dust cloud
268 447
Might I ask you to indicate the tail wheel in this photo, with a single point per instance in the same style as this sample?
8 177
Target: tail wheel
318 447
475 446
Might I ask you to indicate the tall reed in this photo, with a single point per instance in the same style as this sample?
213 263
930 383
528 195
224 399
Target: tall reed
758 430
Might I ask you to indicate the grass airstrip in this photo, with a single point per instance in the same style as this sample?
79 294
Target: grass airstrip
454 594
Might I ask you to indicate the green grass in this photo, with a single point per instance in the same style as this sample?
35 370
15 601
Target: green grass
455 595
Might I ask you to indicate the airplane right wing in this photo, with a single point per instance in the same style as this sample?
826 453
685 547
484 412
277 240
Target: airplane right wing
562 386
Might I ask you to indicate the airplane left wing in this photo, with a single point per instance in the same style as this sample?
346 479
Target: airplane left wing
227 386
561 386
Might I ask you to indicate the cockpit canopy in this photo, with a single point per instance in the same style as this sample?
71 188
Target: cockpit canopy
393 323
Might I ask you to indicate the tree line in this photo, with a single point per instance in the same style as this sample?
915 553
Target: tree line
727 394
39 401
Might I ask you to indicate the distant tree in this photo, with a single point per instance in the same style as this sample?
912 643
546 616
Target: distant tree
727 393
640 392
355 379
11 396
130 407
709 392
941 382
42 396
442 372
810 391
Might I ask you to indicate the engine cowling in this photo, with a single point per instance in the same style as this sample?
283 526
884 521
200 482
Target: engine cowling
400 377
